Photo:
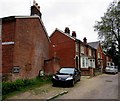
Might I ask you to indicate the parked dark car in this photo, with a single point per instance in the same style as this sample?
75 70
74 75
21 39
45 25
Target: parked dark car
66 76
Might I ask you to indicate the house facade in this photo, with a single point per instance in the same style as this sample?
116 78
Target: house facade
65 47
87 55
109 61
25 46
72 52
100 56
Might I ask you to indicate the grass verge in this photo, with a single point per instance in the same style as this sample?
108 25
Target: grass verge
20 86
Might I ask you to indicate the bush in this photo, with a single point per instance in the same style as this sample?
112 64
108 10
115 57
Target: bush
9 87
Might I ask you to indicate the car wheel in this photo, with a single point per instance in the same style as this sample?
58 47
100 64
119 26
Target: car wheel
73 82
54 85
79 79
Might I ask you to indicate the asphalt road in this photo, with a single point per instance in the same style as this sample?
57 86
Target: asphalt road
104 86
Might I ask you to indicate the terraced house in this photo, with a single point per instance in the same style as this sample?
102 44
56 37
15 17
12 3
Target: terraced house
87 55
65 47
100 59
71 51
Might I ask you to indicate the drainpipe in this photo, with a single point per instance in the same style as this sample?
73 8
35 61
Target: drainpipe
79 57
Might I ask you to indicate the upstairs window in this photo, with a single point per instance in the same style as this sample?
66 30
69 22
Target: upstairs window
82 49
77 47
98 55
90 52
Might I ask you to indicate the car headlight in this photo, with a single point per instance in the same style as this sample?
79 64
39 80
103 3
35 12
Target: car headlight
69 78
54 77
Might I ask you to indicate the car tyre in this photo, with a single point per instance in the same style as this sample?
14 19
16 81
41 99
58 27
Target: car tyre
79 79
73 83
54 85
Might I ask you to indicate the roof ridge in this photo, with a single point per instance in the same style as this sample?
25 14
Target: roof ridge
63 33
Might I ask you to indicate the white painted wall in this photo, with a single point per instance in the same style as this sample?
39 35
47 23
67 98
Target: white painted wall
92 63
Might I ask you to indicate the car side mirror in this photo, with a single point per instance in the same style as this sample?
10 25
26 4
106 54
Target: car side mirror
57 72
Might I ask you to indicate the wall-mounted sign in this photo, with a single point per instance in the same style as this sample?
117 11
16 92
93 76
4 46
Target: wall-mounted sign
16 69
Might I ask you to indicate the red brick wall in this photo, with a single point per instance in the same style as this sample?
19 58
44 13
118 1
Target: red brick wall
52 66
99 50
30 50
8 31
64 49
31 47
88 72
104 60
85 49
7 58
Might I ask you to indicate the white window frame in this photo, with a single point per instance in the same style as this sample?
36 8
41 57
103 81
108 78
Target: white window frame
90 52
82 49
84 62
99 55
77 47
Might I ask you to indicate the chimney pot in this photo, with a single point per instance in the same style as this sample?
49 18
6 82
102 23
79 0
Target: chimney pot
73 34
85 40
39 8
67 30
36 4
35 9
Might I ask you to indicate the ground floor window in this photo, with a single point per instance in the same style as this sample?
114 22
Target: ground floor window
84 62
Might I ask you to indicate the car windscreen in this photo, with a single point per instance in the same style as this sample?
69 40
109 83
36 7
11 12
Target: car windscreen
66 71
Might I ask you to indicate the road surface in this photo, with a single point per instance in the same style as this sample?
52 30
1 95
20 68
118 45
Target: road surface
104 86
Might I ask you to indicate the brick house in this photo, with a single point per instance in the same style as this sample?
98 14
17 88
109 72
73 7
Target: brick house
87 55
72 52
109 61
65 47
100 58
25 45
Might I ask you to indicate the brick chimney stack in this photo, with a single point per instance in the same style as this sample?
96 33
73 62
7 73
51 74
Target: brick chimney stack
67 30
35 9
85 40
74 34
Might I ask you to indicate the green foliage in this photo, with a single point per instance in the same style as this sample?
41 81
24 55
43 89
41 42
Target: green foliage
109 29
10 87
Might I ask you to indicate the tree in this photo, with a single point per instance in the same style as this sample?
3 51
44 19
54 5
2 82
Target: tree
109 30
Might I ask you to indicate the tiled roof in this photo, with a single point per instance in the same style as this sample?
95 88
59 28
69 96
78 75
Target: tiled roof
94 44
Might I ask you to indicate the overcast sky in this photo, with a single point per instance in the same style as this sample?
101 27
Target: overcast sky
78 15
